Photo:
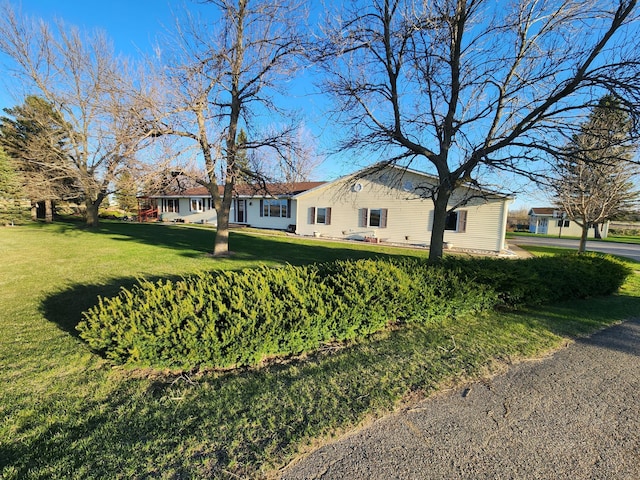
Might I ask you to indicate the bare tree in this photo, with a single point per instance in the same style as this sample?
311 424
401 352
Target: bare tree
517 219
474 86
91 89
594 178
220 80
299 164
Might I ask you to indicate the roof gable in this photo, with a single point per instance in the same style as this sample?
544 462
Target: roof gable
377 171
543 211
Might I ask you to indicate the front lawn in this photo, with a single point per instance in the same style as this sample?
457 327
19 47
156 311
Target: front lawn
67 413
633 239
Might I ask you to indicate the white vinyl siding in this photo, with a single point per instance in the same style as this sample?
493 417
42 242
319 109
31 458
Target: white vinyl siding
407 217
569 228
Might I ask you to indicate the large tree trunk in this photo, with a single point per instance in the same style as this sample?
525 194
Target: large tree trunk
48 211
221 243
439 223
92 208
583 238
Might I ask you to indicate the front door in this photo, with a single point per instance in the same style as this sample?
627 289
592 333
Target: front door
241 211
543 226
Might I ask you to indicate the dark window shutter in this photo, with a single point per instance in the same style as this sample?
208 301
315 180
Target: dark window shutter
261 207
327 219
384 213
235 209
363 217
462 221
312 215
289 208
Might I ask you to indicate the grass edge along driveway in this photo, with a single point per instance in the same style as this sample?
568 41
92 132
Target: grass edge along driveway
68 414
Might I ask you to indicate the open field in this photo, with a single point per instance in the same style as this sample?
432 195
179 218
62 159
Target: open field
68 414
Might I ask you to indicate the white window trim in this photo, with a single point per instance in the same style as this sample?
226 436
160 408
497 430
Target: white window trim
283 203
199 202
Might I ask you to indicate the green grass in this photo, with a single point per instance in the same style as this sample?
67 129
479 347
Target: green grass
66 413
541 250
633 239
623 239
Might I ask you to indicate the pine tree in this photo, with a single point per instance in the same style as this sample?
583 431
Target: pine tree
35 137
12 204
593 181
126 192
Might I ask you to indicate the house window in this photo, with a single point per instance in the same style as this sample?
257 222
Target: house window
197 204
320 215
376 217
171 205
275 208
456 221
563 223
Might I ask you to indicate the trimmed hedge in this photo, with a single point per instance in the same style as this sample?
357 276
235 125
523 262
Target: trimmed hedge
544 280
231 319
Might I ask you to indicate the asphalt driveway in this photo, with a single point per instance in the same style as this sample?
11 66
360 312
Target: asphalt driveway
573 415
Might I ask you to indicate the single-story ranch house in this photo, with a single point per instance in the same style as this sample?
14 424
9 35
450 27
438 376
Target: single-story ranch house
385 204
552 221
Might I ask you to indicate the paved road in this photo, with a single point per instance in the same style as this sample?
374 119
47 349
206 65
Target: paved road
574 415
622 249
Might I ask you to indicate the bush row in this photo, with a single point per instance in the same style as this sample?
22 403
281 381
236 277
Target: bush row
545 280
625 232
229 319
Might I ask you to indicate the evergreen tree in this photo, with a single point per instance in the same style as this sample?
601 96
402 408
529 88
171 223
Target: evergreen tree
593 181
34 135
126 192
12 205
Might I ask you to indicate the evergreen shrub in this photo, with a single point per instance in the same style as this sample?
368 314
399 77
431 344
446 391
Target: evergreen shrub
230 319
544 280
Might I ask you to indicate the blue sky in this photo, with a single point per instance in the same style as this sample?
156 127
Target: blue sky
133 26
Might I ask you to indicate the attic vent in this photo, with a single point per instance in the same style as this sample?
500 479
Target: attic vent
357 187
407 186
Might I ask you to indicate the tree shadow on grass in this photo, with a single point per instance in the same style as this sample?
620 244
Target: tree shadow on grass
583 320
214 426
64 308
623 338
194 241
188 241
